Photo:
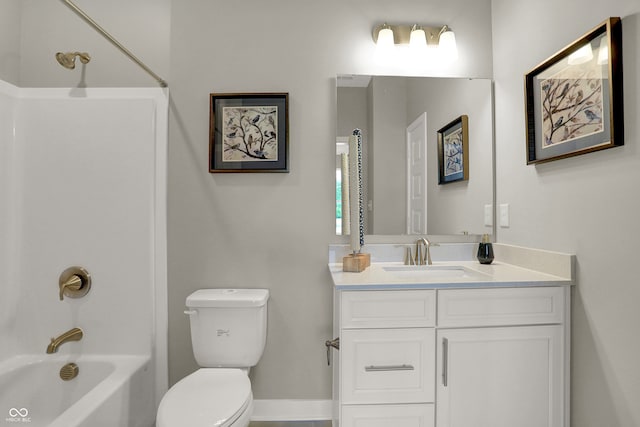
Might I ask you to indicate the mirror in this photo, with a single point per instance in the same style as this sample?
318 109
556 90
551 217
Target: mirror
400 118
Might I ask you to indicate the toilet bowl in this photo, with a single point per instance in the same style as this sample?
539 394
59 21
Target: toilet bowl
228 335
209 397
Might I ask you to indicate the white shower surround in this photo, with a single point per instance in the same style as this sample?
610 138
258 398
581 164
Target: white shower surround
83 182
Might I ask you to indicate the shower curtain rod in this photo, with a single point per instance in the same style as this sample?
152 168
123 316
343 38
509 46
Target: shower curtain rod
115 42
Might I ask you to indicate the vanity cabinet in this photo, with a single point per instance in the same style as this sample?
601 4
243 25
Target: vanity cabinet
482 357
500 377
387 358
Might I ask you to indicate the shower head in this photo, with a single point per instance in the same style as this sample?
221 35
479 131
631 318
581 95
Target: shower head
68 59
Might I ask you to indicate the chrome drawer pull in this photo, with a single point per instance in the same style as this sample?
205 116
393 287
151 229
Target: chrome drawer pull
445 362
382 368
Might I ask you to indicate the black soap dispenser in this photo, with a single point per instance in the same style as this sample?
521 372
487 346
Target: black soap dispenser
485 250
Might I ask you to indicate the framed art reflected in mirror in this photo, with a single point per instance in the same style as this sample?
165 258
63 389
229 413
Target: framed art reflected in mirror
453 151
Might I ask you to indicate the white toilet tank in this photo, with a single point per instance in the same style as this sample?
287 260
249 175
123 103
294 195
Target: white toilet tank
228 326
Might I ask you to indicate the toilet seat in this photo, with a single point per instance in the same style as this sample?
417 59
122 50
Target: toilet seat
208 397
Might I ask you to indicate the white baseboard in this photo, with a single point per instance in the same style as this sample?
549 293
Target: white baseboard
291 410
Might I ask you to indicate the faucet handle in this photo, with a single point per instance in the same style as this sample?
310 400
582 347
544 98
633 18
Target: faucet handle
74 283
419 260
408 256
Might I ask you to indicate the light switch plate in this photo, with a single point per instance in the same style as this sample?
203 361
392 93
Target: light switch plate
488 215
504 215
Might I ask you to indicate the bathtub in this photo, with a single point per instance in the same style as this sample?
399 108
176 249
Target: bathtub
109 391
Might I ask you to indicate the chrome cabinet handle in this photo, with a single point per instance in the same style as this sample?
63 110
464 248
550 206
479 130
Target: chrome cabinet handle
382 368
445 361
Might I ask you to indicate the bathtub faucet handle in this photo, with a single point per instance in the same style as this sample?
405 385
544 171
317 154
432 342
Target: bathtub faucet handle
74 282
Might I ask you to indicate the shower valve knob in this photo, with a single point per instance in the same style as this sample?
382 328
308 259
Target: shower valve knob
74 282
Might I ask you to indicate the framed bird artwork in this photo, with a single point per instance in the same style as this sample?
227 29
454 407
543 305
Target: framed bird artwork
573 100
249 132
453 151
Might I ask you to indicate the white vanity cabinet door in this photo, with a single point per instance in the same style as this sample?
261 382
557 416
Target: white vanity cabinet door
500 377
387 365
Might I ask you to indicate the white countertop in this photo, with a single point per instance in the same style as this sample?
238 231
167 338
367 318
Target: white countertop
497 274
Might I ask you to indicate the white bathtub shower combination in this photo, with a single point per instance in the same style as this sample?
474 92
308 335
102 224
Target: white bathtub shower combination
82 183
109 390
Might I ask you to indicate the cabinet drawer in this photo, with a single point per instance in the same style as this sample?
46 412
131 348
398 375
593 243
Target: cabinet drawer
416 415
387 365
388 309
498 307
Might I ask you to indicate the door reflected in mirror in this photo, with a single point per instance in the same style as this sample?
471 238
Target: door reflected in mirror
399 118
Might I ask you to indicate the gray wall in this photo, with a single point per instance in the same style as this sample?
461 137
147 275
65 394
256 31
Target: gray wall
10 40
458 206
587 205
47 27
352 112
388 153
272 230
245 230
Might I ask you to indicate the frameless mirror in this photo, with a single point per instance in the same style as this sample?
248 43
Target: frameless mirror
400 118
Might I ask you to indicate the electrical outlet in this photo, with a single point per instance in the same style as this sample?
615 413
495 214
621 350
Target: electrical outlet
504 215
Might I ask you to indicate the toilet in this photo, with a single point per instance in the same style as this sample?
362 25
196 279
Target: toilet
228 334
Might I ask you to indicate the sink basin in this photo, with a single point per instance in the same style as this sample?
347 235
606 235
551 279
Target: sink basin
431 272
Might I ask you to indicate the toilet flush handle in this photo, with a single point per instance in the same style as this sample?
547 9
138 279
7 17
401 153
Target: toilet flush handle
191 312
334 343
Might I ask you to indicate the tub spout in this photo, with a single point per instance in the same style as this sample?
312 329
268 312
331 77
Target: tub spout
74 334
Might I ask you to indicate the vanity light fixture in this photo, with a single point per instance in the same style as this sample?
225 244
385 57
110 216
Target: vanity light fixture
418 38
384 37
447 46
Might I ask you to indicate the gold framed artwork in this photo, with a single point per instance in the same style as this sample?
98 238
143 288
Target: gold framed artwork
249 132
573 100
453 151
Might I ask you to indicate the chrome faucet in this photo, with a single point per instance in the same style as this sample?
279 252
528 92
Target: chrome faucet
426 258
74 334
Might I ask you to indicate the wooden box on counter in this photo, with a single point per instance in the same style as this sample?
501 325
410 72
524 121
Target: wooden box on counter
355 263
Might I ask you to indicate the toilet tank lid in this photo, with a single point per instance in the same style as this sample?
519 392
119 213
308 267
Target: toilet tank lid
228 298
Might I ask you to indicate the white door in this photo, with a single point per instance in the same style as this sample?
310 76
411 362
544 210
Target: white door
500 377
417 176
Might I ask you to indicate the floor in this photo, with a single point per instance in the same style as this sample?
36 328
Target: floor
290 424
